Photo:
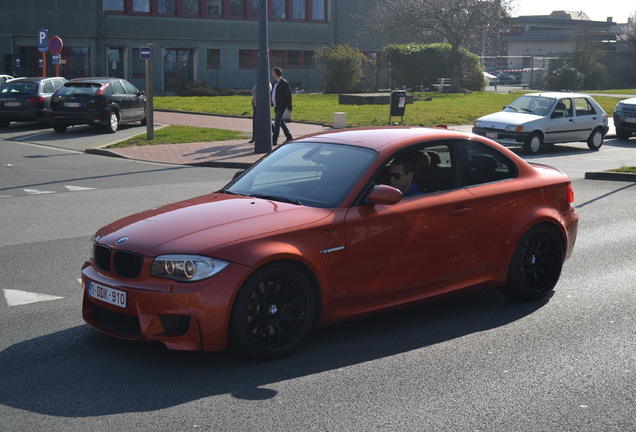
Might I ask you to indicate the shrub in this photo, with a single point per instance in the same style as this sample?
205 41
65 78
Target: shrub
196 88
341 68
569 78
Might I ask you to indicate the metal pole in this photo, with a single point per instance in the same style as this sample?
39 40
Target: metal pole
150 117
263 120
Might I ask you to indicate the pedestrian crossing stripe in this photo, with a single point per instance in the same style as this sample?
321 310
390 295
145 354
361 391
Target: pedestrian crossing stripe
17 297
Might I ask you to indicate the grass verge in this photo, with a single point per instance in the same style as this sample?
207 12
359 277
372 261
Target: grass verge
181 134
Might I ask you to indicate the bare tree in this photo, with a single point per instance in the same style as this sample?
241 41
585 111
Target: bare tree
453 21
628 37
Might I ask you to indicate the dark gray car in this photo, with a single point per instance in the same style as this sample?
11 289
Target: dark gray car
107 102
27 99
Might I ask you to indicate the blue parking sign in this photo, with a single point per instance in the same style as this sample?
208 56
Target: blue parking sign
43 40
145 52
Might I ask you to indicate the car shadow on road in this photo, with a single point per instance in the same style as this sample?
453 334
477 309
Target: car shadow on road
81 373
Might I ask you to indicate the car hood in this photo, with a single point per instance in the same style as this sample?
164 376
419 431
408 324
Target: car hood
204 223
504 118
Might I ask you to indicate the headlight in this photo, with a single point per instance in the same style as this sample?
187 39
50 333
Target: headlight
186 268
478 124
513 128
619 108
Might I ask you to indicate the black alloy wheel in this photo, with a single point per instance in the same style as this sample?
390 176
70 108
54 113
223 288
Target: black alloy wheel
536 264
274 311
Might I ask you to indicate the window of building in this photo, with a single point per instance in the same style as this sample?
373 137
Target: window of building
77 62
190 7
138 65
318 8
166 7
247 59
237 8
214 7
214 59
279 9
114 5
141 6
299 9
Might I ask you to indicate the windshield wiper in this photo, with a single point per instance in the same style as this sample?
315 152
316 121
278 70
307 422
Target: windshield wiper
276 198
527 110
225 191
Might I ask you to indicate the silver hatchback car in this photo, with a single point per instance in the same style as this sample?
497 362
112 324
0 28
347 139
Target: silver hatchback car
537 118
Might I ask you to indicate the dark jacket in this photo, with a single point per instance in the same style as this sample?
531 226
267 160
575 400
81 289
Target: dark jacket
283 95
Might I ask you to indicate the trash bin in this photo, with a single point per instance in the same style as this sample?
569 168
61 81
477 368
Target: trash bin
398 104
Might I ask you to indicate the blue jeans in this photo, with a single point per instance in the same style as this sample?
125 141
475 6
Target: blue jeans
279 123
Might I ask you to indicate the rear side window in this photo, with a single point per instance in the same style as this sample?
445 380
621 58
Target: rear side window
483 164
117 87
583 107
77 89
48 88
130 89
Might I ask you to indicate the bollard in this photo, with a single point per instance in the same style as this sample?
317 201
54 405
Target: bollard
339 120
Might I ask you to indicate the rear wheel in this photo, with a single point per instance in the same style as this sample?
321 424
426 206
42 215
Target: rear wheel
533 143
274 311
59 128
536 264
113 123
595 141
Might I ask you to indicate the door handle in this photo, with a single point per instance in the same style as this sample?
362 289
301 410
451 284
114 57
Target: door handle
460 211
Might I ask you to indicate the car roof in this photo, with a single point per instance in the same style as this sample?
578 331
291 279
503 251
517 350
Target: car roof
35 79
379 137
557 95
95 79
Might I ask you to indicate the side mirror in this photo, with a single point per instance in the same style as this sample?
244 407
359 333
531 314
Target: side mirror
558 114
383 194
238 174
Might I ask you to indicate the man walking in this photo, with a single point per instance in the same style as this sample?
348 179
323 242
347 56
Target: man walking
281 101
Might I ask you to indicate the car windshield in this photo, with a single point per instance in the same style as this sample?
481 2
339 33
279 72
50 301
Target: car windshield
76 89
539 105
19 88
309 173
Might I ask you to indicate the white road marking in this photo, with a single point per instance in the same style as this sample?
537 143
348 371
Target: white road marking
16 297
37 192
78 188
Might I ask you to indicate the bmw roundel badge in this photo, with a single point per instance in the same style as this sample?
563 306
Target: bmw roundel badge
121 240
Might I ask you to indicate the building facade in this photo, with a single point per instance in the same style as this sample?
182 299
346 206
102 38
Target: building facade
212 41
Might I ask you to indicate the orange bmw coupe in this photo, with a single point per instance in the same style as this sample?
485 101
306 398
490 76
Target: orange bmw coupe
326 228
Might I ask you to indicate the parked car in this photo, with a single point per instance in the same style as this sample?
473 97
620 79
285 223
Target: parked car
625 118
314 233
5 78
107 102
27 99
537 118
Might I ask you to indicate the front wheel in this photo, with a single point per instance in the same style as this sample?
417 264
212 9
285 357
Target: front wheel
274 311
536 264
595 141
533 143
59 128
113 123
622 133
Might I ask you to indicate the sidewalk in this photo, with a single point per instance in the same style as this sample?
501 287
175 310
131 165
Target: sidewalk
226 154
223 154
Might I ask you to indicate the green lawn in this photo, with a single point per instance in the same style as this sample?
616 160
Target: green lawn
429 109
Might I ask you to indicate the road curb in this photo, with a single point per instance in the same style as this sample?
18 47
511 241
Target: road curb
615 176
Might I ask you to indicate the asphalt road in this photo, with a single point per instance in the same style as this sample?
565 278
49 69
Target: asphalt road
475 362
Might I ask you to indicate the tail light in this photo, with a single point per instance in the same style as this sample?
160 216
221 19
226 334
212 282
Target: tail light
101 90
570 193
35 99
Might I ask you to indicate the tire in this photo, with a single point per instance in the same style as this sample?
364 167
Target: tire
113 122
595 141
274 312
622 133
59 128
536 264
4 124
533 143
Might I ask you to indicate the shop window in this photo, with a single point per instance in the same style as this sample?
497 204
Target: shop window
142 6
165 7
279 9
214 7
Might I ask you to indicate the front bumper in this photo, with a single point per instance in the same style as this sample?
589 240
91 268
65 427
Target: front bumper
192 316
73 118
626 123
502 137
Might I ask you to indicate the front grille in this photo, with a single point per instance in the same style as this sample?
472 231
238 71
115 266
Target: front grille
125 264
629 110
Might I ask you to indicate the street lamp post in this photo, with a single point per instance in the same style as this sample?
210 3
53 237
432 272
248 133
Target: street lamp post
263 120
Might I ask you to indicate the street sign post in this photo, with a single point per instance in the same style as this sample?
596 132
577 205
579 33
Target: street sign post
43 37
55 46
145 53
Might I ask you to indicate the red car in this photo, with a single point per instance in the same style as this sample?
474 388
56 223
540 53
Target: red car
329 227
